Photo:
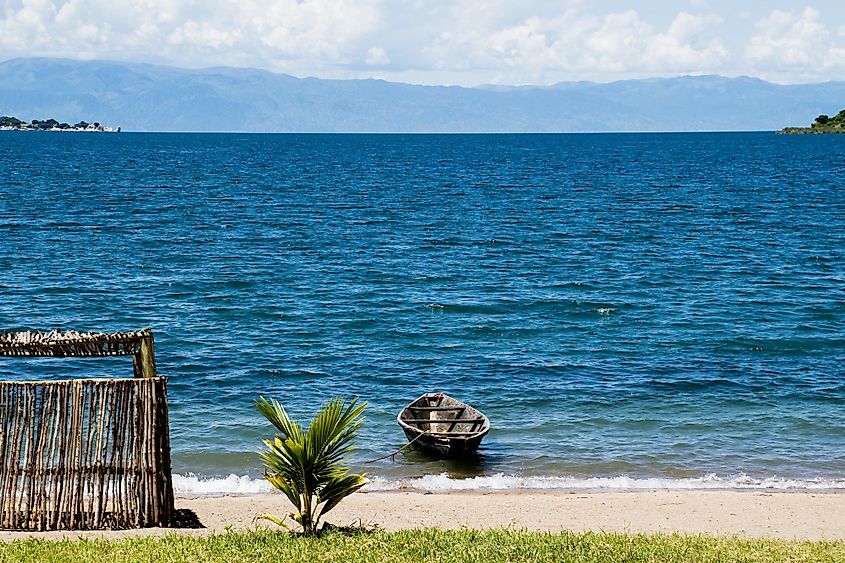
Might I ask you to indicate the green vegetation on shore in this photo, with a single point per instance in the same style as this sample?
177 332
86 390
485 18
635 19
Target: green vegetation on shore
15 124
823 124
309 465
429 546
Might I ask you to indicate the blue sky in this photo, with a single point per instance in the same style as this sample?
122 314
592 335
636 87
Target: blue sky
466 42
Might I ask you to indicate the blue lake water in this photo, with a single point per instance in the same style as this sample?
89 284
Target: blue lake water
628 309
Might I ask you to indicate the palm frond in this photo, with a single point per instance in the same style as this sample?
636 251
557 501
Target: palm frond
338 489
278 416
273 518
290 490
308 466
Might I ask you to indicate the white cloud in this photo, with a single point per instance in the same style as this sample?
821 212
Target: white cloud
687 44
202 33
796 45
376 56
313 29
578 43
446 41
319 32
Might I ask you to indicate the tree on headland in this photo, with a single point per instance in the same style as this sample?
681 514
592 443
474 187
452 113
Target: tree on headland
827 122
8 121
824 120
822 124
49 124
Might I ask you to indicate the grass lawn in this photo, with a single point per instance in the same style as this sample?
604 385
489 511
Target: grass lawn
428 546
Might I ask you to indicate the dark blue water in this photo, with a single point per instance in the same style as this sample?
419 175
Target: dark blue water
656 306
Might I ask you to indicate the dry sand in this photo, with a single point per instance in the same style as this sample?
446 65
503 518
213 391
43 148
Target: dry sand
793 515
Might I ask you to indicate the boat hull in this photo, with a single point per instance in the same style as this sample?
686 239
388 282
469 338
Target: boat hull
443 427
448 448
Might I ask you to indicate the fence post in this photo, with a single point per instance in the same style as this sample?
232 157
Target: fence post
144 361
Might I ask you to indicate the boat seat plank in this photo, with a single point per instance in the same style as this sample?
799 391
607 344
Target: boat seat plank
437 408
445 421
450 434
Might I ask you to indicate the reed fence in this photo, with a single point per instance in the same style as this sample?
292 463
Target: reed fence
87 453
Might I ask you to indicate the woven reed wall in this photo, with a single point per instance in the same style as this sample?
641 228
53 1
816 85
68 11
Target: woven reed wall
85 454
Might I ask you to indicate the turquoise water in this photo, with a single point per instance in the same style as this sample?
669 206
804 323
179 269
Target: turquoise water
629 310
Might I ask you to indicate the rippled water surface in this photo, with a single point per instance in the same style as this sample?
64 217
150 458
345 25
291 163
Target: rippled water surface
621 306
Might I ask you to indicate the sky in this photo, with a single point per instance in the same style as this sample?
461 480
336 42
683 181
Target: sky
463 42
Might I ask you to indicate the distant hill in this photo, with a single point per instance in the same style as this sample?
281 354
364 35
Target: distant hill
143 97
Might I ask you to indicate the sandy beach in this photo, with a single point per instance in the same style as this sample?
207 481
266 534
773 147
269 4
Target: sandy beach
788 515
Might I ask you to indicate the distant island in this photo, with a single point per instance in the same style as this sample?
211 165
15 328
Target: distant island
14 124
822 125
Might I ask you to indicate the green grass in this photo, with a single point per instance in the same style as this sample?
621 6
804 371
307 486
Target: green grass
428 546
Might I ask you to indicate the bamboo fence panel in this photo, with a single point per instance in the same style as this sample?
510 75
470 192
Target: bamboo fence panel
89 453
85 454
72 343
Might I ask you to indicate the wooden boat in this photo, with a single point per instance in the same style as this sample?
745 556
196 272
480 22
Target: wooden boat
442 426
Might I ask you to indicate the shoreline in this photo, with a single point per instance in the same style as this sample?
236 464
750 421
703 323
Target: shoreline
811 131
551 491
796 515
190 485
58 130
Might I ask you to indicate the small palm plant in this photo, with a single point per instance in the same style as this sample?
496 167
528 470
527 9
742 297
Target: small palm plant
308 466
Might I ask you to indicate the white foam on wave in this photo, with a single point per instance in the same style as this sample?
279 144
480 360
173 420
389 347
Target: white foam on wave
244 485
192 484
501 482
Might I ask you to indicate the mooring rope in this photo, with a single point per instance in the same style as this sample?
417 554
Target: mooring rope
393 455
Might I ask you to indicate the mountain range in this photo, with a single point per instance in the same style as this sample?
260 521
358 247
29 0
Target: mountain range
144 97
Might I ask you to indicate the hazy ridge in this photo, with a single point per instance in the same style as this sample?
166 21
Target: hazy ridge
144 97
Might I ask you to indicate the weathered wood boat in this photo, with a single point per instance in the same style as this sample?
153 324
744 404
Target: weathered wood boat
442 426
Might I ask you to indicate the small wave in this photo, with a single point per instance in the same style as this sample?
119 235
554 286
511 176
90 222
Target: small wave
470 308
192 484
501 482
